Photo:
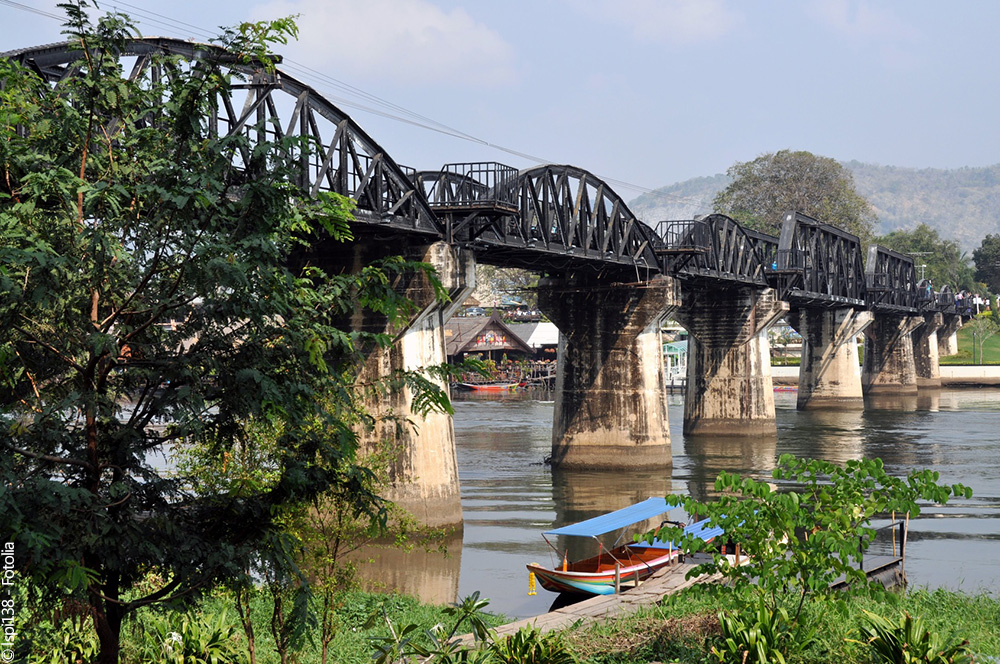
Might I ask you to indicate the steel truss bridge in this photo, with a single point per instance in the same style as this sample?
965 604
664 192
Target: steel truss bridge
556 219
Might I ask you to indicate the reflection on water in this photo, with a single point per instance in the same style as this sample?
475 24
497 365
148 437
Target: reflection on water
708 456
834 435
509 497
428 573
584 494
903 402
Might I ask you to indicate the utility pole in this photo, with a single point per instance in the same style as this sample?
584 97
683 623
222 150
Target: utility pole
921 253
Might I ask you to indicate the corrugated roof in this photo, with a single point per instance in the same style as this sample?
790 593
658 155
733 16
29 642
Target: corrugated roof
460 335
537 335
611 521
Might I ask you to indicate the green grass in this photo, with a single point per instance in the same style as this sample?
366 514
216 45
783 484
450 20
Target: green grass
681 629
351 645
684 626
991 350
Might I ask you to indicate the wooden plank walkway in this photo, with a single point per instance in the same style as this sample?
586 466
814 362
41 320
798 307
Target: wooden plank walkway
666 581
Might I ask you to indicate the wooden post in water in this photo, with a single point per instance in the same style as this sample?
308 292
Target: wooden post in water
894 524
905 527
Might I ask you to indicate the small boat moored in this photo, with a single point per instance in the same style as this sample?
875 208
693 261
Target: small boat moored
623 565
491 387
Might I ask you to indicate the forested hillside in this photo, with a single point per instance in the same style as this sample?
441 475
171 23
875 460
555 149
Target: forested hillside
961 204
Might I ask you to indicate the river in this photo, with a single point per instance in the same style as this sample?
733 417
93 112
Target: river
509 496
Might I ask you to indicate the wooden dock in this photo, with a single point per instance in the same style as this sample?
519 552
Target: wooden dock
666 581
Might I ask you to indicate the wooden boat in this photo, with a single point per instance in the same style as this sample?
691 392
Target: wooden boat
622 566
491 387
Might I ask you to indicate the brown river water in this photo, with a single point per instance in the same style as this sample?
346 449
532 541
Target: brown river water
509 496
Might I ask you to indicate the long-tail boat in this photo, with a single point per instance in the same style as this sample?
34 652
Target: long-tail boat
623 565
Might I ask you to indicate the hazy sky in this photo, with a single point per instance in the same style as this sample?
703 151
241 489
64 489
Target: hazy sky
643 92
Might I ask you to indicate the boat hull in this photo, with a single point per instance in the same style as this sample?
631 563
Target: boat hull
489 387
596 576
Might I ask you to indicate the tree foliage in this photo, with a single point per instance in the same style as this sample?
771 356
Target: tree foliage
987 260
147 304
797 542
494 283
945 263
764 189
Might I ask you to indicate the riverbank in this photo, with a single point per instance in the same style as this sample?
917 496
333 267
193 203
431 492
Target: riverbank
681 629
684 627
952 376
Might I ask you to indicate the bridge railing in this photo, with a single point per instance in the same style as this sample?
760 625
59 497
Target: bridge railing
926 297
688 236
946 300
471 185
767 247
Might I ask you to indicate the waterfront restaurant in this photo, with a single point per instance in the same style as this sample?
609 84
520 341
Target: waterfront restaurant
485 337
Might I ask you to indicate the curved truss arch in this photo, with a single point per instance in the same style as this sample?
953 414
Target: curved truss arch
268 107
716 247
891 281
549 217
566 207
820 264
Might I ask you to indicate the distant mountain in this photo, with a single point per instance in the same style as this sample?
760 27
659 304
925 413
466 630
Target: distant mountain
684 200
961 204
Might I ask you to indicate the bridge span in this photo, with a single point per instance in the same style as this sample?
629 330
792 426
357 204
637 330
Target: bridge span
609 280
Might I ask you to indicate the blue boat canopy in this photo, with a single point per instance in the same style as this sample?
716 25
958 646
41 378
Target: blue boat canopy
611 521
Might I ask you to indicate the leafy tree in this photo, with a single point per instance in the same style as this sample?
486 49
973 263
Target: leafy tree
494 283
764 189
798 541
987 260
945 262
981 328
147 304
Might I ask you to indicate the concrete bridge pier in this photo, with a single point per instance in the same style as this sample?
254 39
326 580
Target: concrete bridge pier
424 469
610 396
830 373
729 391
926 360
948 335
888 366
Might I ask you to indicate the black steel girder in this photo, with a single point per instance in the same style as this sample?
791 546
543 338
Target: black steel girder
819 265
273 106
549 218
891 281
715 248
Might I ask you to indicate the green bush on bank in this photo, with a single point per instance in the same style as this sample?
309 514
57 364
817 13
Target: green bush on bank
979 350
685 627
209 631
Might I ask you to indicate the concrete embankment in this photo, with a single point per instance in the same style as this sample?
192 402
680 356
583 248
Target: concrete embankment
951 375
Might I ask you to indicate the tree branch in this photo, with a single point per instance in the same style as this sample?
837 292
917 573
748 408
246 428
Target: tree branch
47 457
31 337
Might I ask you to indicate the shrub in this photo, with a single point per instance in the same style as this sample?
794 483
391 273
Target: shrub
529 646
910 642
767 635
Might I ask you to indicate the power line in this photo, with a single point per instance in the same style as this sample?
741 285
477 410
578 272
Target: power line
369 103
33 10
